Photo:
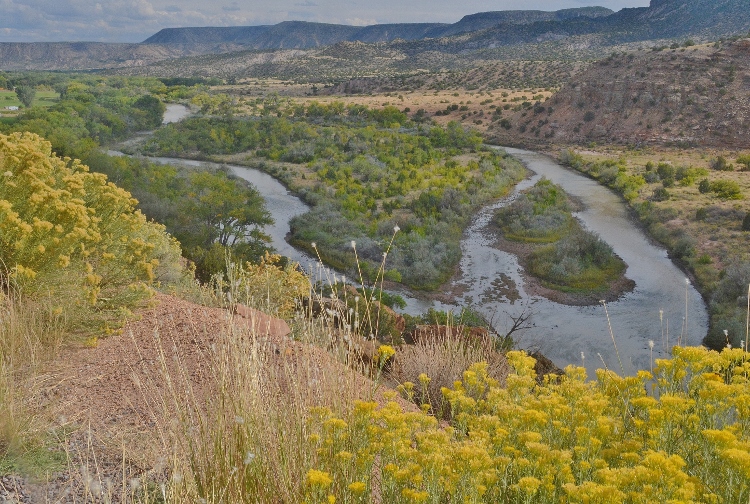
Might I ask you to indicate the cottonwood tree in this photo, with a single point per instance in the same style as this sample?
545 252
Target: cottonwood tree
221 215
25 95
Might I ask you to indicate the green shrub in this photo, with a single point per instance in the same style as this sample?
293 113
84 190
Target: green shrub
720 164
727 189
704 186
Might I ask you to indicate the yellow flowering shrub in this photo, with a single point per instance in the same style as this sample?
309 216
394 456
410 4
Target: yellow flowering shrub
67 233
681 435
269 285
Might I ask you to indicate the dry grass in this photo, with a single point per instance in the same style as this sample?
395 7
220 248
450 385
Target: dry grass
30 334
437 359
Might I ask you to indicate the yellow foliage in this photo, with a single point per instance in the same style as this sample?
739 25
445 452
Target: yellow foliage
69 234
614 439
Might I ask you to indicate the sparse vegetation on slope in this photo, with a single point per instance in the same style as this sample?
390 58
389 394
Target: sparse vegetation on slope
697 213
685 96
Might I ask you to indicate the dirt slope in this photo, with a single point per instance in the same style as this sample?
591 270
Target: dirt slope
113 399
695 96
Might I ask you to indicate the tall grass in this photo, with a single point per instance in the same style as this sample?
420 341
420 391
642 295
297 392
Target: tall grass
246 438
30 334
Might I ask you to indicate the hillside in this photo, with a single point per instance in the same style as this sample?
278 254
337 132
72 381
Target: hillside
570 34
689 96
95 55
306 35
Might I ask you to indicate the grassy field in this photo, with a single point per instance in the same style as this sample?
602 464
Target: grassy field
43 99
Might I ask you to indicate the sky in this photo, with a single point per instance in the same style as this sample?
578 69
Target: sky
136 20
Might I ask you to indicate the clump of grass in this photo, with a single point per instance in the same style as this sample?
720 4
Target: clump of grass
30 334
437 359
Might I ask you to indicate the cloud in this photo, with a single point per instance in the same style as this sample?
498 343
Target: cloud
360 22
308 3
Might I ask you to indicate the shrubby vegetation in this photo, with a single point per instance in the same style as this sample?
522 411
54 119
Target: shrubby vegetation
567 256
212 214
365 172
679 435
540 214
75 259
69 235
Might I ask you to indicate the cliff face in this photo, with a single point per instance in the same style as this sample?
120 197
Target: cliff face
695 96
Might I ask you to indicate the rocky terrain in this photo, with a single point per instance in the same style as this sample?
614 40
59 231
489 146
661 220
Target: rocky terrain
687 96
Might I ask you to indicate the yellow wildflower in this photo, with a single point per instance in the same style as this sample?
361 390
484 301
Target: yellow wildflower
319 478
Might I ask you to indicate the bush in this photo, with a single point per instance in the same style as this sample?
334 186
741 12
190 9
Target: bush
704 186
660 194
746 222
727 189
68 234
720 164
674 435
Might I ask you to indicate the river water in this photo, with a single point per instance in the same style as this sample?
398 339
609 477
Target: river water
563 332
490 280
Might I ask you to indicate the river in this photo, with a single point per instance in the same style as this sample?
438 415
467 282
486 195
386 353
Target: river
491 282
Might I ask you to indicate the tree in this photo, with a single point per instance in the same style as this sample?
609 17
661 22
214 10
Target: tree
26 95
224 209
150 111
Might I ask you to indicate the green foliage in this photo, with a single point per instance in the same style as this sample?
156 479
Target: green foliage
575 258
372 170
211 213
26 95
540 214
91 112
720 163
579 261
727 189
704 186
744 160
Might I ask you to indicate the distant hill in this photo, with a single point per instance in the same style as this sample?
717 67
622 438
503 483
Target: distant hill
686 96
306 35
570 34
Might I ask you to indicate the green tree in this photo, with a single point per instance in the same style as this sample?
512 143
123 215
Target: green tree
26 95
150 111
223 209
